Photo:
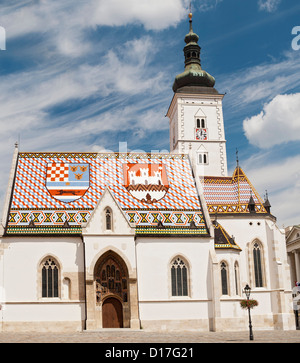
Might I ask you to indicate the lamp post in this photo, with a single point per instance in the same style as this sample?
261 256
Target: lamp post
247 290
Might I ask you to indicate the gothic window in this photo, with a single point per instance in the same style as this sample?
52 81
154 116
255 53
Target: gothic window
257 262
108 219
179 277
236 278
224 278
50 278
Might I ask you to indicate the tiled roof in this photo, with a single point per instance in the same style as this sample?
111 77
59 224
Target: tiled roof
231 194
52 188
222 238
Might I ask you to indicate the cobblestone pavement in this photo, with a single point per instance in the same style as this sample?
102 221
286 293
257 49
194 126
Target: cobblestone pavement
129 336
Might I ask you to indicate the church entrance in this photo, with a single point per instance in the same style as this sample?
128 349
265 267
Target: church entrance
112 313
112 293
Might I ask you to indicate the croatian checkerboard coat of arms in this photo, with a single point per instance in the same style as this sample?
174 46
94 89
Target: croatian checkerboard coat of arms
67 182
146 182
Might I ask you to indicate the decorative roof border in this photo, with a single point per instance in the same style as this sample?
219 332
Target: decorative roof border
43 230
161 230
112 155
157 230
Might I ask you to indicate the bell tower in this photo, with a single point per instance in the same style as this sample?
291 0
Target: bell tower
196 115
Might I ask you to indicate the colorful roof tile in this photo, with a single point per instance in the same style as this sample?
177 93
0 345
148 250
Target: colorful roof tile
51 189
226 195
222 238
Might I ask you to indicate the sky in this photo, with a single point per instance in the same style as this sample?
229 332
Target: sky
97 75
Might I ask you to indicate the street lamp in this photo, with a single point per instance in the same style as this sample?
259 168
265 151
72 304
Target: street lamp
247 290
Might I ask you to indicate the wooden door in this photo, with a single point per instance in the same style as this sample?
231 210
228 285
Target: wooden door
112 313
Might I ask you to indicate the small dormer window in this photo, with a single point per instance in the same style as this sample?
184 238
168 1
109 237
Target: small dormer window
108 219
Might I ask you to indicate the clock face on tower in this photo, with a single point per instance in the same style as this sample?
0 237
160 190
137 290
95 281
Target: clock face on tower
201 134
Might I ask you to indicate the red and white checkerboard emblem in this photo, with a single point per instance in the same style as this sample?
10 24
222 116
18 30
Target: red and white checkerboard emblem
67 182
57 172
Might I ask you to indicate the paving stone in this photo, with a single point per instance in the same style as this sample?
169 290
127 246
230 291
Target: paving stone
142 336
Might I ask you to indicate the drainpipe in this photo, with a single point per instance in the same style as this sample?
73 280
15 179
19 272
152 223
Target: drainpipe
84 276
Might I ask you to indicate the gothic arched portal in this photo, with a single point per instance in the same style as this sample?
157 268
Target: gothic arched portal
111 289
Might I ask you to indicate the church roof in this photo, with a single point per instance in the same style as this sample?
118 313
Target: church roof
222 238
227 195
58 192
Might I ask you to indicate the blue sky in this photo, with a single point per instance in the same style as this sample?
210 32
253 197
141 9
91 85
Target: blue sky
87 75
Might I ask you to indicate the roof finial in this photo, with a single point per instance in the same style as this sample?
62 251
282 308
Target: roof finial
191 17
266 195
237 157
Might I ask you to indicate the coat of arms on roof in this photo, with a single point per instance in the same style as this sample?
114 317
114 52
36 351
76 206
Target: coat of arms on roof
67 182
146 182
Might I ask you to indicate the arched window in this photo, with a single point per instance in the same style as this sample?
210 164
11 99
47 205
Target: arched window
50 278
224 278
108 219
257 262
179 277
203 158
237 278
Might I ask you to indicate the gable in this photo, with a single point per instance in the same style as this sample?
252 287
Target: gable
293 235
200 113
231 195
97 222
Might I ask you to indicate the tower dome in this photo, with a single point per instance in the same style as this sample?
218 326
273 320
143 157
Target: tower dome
193 75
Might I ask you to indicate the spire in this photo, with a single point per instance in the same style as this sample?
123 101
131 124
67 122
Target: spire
192 49
267 204
237 158
194 75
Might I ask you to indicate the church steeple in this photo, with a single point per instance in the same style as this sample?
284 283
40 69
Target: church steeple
195 113
192 49
193 75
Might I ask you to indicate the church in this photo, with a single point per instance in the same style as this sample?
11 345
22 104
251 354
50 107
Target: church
161 242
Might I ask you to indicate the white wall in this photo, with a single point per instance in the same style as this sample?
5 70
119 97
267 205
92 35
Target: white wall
154 257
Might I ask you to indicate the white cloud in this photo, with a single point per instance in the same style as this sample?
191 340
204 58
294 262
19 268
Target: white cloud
64 21
278 123
260 83
268 5
154 14
207 5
